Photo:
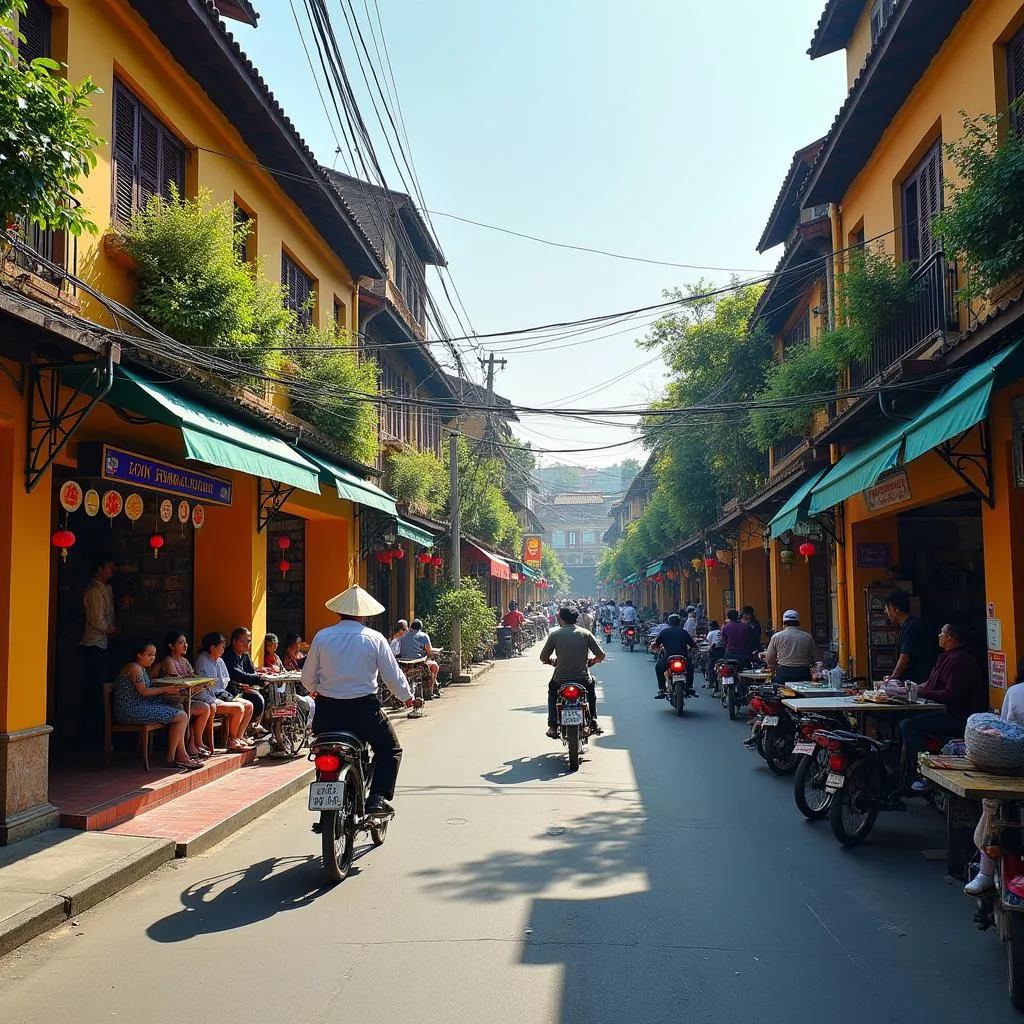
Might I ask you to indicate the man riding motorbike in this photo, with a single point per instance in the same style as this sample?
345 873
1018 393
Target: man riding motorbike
673 641
341 669
627 617
571 646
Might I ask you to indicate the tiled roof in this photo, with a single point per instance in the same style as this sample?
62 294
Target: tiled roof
240 10
835 26
167 21
786 211
579 498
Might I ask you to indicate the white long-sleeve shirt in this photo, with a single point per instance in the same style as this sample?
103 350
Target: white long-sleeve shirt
344 660
98 602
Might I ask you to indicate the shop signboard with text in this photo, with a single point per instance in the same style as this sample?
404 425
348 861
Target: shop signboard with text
893 490
130 468
533 550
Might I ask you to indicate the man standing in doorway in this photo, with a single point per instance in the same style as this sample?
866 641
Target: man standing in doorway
94 647
917 653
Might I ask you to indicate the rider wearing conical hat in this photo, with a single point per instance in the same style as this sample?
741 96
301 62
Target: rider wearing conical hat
341 669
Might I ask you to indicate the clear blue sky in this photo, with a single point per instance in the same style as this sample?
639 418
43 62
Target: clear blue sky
658 128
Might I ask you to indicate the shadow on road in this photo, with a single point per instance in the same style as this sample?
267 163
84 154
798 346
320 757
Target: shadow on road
539 768
241 898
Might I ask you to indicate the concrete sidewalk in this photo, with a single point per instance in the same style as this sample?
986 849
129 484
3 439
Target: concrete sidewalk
48 879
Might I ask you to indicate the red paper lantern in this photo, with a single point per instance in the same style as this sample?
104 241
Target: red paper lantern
807 549
435 561
284 565
423 558
63 539
711 561
284 543
399 552
156 542
658 578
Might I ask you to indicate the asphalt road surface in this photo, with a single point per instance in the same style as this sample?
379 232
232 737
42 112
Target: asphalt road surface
671 878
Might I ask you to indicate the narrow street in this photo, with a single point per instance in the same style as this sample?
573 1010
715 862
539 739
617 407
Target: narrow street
671 879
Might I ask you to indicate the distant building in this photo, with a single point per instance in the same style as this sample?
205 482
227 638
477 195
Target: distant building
575 524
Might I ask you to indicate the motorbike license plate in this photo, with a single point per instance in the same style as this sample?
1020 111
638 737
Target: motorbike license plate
572 716
770 721
678 677
834 782
284 711
803 748
728 681
325 796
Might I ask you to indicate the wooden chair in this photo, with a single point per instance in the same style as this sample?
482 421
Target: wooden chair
110 727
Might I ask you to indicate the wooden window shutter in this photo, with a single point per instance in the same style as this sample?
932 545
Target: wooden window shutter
149 160
34 25
172 165
930 193
126 118
1015 79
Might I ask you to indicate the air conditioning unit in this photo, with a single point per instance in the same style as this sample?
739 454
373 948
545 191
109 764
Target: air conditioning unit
811 213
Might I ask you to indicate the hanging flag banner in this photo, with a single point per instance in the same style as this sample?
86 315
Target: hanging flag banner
533 550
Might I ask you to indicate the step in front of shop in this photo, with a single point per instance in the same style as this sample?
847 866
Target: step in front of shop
100 798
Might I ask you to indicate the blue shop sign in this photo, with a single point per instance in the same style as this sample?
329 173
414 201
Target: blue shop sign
130 468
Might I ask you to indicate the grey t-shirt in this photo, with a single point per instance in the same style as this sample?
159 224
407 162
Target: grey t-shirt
571 645
413 645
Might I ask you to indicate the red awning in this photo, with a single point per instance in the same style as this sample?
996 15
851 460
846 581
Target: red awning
496 565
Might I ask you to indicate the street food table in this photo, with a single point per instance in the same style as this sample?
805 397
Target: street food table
861 707
186 683
756 676
967 786
816 690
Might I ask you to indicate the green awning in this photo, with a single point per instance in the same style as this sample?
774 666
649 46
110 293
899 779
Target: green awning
858 469
414 533
796 509
633 577
961 406
530 574
653 569
212 438
351 488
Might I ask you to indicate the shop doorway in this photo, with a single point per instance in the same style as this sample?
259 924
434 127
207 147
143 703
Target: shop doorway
286 575
152 595
941 554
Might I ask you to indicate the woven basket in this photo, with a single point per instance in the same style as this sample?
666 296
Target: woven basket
1002 752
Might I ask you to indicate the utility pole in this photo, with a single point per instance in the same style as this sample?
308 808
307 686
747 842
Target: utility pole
490 434
456 516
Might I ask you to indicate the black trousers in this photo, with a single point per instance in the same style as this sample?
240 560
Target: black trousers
661 667
553 689
788 674
96 670
258 702
365 717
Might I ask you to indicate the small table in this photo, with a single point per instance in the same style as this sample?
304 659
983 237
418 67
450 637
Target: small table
188 683
966 783
756 675
815 690
851 706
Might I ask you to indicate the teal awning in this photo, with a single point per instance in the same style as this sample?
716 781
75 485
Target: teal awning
351 488
633 577
653 569
858 469
530 574
414 533
961 406
212 438
796 509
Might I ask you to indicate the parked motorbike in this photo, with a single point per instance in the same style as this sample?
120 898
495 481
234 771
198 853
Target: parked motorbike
813 800
1003 907
629 638
675 682
734 689
572 713
344 774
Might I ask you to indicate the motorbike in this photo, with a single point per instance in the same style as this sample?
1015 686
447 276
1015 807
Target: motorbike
607 632
629 638
344 774
572 713
734 689
675 680
1003 907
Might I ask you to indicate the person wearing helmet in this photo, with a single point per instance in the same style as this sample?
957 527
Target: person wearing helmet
791 652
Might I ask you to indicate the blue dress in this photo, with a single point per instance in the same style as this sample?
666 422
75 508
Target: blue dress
131 708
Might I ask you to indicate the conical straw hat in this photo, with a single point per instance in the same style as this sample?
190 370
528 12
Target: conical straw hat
355 601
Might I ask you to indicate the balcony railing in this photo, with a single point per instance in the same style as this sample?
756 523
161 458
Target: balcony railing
50 255
783 448
928 318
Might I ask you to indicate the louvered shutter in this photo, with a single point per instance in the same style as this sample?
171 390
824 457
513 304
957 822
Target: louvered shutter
126 113
172 165
1015 78
149 160
930 198
34 25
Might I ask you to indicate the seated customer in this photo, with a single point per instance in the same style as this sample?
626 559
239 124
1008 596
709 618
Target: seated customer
291 656
137 702
245 679
176 664
236 710
416 644
957 682
401 628
272 663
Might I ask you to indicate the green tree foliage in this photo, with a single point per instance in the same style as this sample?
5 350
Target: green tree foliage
336 390
467 606
983 222
48 142
191 284
485 512
421 479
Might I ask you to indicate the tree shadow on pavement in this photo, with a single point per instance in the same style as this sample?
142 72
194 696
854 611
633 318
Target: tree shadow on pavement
238 899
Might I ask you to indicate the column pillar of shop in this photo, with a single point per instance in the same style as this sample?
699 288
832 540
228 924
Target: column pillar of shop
231 567
790 587
717 584
329 568
752 586
25 555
